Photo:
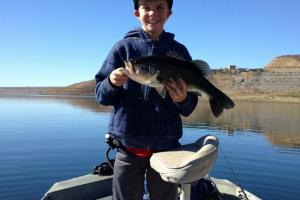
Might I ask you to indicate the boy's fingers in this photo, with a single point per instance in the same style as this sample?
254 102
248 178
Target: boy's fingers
183 84
118 77
123 71
178 84
120 71
177 89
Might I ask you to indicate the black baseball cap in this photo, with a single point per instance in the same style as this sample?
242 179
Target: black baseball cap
170 3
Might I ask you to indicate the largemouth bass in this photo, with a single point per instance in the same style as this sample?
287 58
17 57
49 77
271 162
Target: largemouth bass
156 71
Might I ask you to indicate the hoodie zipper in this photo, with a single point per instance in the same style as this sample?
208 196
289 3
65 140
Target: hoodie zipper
147 89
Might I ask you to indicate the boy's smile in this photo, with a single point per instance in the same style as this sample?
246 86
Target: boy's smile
153 14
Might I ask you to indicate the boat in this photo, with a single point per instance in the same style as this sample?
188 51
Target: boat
188 166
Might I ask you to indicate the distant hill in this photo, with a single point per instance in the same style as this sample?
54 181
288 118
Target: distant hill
85 87
81 88
278 81
288 63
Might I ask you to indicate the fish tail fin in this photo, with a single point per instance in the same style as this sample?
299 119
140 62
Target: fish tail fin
220 102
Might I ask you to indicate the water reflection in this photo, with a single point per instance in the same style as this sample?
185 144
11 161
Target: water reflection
279 122
82 102
87 103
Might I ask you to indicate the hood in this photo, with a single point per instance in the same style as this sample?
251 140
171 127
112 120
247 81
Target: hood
140 33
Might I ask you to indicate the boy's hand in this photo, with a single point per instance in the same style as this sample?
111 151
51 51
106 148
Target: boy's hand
177 89
117 77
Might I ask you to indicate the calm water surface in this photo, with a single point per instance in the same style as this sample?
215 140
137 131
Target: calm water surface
44 140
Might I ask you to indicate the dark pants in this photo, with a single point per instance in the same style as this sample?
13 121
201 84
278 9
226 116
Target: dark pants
128 179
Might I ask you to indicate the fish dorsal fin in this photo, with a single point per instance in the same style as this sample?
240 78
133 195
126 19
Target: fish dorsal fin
203 66
175 54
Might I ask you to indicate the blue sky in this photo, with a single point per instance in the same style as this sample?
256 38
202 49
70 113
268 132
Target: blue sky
61 42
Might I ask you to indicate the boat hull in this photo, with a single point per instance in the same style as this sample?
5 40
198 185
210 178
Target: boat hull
91 187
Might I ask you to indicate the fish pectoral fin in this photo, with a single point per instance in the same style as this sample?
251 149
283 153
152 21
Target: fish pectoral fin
197 93
162 91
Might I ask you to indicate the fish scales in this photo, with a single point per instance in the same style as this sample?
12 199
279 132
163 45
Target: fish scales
155 71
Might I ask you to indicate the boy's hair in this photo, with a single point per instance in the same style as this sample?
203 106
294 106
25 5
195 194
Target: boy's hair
136 4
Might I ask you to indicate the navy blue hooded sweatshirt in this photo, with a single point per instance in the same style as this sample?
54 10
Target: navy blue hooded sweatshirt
140 117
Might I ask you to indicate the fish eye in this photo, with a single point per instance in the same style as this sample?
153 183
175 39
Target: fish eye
132 60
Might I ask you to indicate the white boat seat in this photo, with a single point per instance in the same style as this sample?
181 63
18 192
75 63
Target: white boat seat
187 163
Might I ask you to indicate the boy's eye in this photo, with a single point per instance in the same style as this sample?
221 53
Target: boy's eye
146 8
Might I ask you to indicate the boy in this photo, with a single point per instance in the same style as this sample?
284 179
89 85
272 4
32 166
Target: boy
141 120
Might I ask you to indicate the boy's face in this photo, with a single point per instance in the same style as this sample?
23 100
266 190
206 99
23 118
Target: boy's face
153 14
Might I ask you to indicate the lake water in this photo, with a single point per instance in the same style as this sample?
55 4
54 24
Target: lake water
48 139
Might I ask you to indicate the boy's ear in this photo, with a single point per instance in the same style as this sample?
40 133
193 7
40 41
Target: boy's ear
136 13
170 13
